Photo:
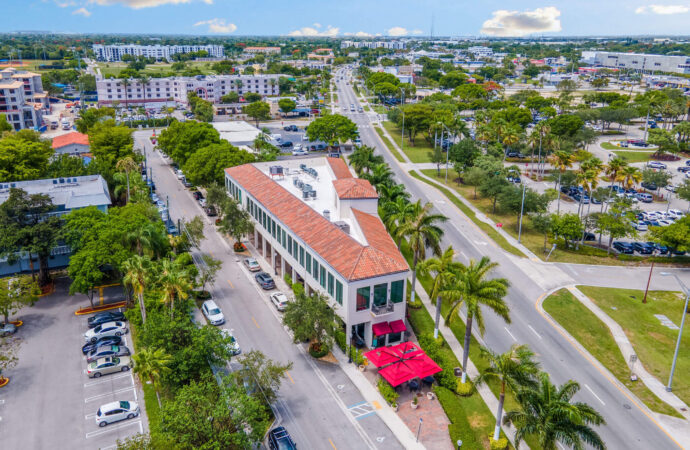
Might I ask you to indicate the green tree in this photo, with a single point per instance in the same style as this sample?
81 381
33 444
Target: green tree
380 175
91 116
542 223
515 368
235 220
230 97
182 139
683 190
491 188
568 226
363 159
475 291
396 213
208 270
174 282
136 273
15 293
451 80
207 165
309 317
4 125
474 177
203 110
287 105
258 111
675 236
511 200
262 374
418 117
252 97
151 365
110 143
23 158
127 165
549 413
332 129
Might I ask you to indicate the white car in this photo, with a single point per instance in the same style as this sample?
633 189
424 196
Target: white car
180 175
116 411
233 346
212 313
675 213
656 165
104 330
299 153
665 222
279 300
640 226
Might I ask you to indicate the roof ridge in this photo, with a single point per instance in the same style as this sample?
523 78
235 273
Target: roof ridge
356 264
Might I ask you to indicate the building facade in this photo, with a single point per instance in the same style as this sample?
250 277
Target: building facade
262 50
115 52
319 225
173 90
638 61
393 45
22 99
73 143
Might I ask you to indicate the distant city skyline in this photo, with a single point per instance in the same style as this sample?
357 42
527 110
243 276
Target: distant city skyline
355 18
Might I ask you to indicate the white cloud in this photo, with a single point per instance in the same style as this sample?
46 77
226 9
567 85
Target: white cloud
358 34
417 31
397 31
316 25
522 23
82 11
218 26
311 31
663 9
138 4
65 4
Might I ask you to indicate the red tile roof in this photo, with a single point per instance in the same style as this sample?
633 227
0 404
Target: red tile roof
70 138
339 168
343 253
354 188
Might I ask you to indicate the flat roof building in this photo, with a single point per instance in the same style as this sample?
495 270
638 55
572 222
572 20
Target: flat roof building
319 224
237 132
638 61
115 52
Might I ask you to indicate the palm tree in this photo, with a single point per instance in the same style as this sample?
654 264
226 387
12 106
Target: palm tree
147 239
136 271
391 192
174 283
549 413
125 84
514 368
562 161
511 136
613 169
630 175
380 175
423 232
126 165
396 213
445 270
152 365
476 290
363 159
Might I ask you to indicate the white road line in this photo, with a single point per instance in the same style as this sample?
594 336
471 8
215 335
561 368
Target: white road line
534 331
114 377
118 391
511 334
595 395
90 416
112 428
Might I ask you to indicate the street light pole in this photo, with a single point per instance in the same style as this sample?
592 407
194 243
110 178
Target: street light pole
680 332
522 208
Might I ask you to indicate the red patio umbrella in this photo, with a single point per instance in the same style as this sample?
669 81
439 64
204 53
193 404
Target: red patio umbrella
383 356
405 362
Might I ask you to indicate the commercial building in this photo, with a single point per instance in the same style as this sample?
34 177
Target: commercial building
173 90
317 223
73 143
262 50
638 61
115 52
22 99
239 133
393 45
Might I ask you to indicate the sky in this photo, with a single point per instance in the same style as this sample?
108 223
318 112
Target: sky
342 18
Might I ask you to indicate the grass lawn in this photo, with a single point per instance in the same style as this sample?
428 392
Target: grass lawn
597 339
417 154
380 109
653 342
609 146
634 156
389 144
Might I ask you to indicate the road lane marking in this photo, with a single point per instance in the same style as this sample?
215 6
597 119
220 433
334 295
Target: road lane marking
230 283
255 322
114 377
595 395
332 444
534 331
289 376
112 428
96 397
511 334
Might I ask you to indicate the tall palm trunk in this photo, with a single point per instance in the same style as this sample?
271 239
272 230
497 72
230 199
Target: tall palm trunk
140 295
466 347
499 412
414 276
438 316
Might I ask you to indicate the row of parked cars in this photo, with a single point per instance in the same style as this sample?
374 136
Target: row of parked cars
578 194
105 354
643 248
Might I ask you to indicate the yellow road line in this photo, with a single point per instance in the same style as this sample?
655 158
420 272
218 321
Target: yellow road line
230 283
332 444
255 322
596 366
289 376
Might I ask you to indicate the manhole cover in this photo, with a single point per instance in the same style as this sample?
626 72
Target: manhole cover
626 406
380 439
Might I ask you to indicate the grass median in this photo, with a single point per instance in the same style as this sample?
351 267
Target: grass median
389 145
419 153
634 156
593 334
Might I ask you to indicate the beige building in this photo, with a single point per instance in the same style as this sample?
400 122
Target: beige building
22 99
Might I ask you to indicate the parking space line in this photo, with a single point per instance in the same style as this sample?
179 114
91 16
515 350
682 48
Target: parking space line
119 391
114 377
113 428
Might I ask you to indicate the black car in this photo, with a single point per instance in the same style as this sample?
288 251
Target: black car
684 169
197 195
623 247
265 280
210 211
662 249
107 340
643 248
590 236
649 186
286 144
291 128
108 316
280 439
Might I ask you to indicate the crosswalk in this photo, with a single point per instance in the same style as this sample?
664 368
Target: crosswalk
361 410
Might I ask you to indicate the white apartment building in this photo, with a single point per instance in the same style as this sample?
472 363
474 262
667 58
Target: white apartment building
317 223
480 51
115 52
22 99
638 61
393 45
173 90
262 50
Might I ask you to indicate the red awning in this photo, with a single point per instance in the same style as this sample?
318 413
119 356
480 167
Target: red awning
381 328
398 326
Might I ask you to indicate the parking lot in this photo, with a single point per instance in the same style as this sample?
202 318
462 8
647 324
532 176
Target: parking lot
50 402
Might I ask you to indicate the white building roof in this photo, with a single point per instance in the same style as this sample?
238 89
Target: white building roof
72 192
237 132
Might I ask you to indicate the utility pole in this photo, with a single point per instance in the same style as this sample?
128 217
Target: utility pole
522 208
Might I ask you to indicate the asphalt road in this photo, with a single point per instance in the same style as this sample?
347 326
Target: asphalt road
628 426
315 400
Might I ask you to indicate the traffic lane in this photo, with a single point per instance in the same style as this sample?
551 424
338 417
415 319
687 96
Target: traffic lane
628 277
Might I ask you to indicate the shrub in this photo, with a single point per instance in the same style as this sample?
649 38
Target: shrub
288 279
387 391
446 377
417 304
298 289
464 389
341 340
500 444
357 356
318 350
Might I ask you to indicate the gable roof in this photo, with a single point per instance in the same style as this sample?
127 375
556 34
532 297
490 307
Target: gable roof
342 252
381 249
354 188
70 138
339 168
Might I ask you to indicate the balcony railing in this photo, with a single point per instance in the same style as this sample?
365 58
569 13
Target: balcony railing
378 310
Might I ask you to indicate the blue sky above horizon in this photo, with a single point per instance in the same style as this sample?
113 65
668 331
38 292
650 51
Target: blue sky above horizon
351 18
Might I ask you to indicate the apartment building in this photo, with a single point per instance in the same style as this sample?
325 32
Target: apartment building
160 52
638 61
317 223
393 45
262 50
173 90
22 99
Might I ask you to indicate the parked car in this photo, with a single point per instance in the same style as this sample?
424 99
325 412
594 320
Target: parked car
280 439
662 249
640 226
649 186
180 174
279 300
265 280
675 213
652 223
107 350
286 144
291 128
102 342
210 211
656 165
233 346
7 328
623 247
108 316
212 313
116 411
197 195
643 248
644 197
300 153
252 264
105 329
109 364
665 222
683 169
590 236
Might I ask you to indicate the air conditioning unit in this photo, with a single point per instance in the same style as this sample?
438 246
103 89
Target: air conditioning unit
327 214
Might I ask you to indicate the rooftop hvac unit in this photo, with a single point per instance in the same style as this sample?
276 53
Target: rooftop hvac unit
305 195
327 214
312 193
276 170
343 226
303 166
300 184
294 181
306 187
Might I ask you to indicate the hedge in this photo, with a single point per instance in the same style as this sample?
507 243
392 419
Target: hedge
387 391
459 428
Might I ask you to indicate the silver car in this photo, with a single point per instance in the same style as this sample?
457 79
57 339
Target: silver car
109 364
116 411
105 329
107 350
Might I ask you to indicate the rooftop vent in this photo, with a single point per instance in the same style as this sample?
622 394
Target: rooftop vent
276 170
327 214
